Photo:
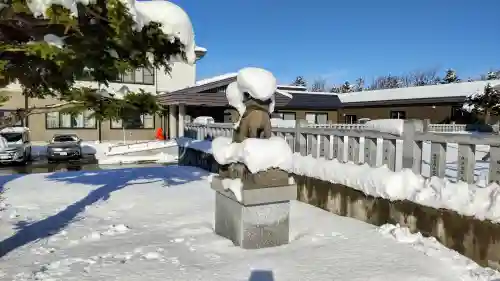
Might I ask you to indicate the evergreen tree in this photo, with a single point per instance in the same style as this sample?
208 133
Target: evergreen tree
486 103
335 89
299 81
47 49
450 77
346 87
492 75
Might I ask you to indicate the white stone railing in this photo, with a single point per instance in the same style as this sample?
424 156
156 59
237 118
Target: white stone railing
358 145
438 128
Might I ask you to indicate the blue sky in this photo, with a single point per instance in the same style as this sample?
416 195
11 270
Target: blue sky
342 40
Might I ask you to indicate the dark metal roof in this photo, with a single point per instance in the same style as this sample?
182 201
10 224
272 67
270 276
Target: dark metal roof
213 94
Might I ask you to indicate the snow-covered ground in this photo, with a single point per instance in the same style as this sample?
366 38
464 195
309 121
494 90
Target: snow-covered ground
156 224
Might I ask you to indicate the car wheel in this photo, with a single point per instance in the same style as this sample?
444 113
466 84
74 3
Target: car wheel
24 161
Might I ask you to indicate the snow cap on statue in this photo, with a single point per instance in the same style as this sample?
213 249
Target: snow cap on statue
257 82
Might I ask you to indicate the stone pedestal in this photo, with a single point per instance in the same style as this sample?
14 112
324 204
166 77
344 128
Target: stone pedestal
259 220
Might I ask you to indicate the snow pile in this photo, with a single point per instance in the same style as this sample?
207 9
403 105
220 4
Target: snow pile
257 82
160 158
235 99
148 223
174 20
235 186
200 145
141 146
450 259
469 200
389 126
257 154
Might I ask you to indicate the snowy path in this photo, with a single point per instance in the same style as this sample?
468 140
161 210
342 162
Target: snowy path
156 224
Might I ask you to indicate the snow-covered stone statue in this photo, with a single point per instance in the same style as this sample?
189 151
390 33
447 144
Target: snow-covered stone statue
253 178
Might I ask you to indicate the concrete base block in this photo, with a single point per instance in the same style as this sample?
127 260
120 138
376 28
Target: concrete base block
261 221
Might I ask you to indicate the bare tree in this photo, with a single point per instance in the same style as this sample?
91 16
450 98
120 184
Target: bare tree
319 85
359 85
385 82
423 78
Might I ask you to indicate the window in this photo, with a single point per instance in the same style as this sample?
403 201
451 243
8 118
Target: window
83 120
284 115
228 118
138 76
134 121
398 115
288 116
351 119
12 137
317 118
64 138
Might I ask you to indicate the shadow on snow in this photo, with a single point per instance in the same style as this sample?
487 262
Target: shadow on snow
261 275
109 181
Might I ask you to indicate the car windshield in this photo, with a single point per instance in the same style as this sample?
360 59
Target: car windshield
12 137
64 138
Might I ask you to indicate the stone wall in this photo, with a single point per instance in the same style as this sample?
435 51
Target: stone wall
478 240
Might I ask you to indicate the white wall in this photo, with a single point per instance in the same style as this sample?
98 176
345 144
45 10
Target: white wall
181 76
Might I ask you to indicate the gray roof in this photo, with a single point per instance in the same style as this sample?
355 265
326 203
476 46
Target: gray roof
213 94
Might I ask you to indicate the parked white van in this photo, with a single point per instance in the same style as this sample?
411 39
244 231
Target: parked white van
15 145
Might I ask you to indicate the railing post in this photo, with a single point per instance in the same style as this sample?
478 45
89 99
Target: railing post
426 124
438 159
353 149
412 150
370 155
466 162
389 153
494 175
325 146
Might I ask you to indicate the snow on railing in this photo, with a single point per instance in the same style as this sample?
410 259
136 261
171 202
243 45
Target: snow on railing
139 146
357 143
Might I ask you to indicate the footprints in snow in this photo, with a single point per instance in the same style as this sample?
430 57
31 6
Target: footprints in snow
111 231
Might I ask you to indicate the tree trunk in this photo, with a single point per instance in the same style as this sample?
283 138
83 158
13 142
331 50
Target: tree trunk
487 115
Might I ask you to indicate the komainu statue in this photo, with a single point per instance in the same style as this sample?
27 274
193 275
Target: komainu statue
254 187
253 96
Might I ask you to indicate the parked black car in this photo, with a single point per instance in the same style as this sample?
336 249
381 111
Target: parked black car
64 147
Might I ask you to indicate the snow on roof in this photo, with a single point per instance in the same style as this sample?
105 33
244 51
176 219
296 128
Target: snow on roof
200 49
292 88
463 89
311 93
216 78
14 130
